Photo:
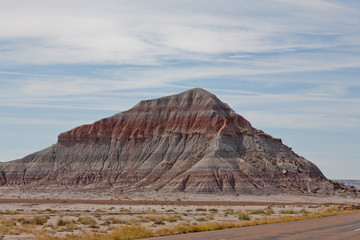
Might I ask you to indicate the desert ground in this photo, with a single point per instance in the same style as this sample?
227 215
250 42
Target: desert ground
147 196
134 216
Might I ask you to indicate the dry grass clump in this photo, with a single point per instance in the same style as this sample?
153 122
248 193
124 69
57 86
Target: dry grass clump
288 211
8 226
64 222
243 216
210 217
256 212
159 222
121 233
228 211
37 220
304 212
201 219
158 218
66 225
187 228
269 211
86 220
113 220
17 226
130 232
51 211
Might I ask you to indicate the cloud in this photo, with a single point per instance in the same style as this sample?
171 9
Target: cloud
22 121
314 121
298 110
144 33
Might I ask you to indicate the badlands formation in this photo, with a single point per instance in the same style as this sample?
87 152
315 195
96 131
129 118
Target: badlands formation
189 142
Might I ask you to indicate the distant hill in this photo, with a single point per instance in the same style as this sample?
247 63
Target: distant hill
349 183
189 142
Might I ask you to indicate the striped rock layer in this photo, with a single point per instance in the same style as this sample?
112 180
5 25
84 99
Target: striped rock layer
189 142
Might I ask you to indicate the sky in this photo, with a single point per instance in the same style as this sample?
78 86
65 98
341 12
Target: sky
289 67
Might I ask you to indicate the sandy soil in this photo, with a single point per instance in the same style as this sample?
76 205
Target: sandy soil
91 194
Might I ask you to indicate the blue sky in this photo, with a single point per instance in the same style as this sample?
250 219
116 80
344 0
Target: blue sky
290 67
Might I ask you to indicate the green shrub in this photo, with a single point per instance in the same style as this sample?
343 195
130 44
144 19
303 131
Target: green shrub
213 210
201 219
201 209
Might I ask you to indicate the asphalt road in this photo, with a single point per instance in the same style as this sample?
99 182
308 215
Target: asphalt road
344 227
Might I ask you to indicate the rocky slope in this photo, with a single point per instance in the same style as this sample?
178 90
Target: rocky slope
349 183
189 142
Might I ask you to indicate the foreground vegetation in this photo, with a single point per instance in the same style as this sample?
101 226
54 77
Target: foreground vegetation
99 224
